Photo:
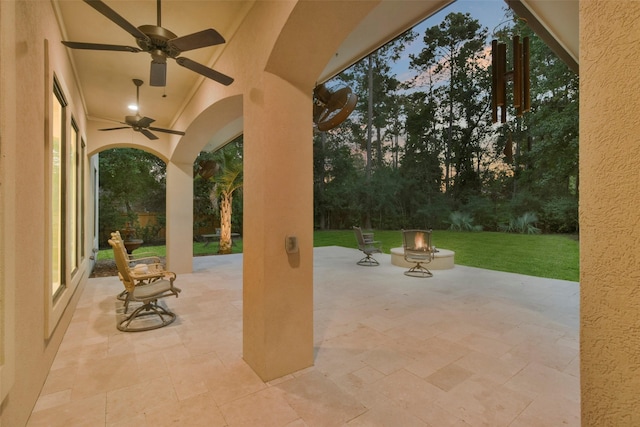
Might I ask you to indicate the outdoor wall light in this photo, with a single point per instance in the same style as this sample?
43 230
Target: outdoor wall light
291 244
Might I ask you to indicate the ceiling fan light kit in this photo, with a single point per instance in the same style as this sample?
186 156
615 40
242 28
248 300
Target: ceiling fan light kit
158 74
142 124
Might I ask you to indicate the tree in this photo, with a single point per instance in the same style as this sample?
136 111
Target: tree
224 170
377 112
338 176
545 160
420 166
131 181
410 154
377 87
455 61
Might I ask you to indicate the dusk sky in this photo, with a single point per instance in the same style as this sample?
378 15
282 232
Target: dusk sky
490 13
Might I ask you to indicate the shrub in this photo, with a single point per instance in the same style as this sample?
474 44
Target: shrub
481 209
524 202
524 224
149 233
430 215
461 221
560 215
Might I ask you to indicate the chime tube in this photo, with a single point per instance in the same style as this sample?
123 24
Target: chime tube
517 72
502 69
526 84
494 81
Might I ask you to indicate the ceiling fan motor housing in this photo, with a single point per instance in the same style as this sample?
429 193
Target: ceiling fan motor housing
131 120
158 41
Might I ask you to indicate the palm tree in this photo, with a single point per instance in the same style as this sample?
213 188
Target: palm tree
224 170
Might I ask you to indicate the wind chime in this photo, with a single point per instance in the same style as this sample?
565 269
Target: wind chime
519 75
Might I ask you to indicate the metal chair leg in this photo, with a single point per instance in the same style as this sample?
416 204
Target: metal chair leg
150 309
368 261
418 271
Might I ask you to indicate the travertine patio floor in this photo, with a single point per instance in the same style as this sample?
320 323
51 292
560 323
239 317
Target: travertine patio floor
467 347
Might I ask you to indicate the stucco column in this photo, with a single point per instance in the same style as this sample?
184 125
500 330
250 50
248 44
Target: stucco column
278 202
180 217
609 218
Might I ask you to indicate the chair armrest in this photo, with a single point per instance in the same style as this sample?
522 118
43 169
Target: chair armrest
375 244
147 271
157 270
146 276
144 257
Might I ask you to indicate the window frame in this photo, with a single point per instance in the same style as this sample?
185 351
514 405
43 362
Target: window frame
57 247
56 302
73 192
81 199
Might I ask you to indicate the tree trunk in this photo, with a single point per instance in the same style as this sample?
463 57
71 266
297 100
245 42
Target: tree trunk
369 117
367 214
447 155
379 146
321 184
225 223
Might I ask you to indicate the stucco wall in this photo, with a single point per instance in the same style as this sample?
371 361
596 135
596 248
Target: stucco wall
36 55
609 219
609 160
7 197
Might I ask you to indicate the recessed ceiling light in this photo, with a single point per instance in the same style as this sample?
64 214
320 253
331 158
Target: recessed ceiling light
133 107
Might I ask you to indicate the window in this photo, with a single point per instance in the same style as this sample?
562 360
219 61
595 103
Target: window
63 203
58 191
73 193
81 161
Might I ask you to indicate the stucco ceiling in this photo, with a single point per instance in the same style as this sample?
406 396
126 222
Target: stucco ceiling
106 77
556 22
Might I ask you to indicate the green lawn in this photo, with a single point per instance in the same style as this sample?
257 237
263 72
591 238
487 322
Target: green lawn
199 249
544 255
551 256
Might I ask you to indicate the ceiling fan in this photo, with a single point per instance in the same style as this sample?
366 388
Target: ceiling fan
160 43
142 124
332 108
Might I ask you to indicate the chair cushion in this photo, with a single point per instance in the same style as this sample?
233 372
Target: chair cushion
151 289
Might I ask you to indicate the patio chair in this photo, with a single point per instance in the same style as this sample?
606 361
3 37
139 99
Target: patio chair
145 267
369 246
140 256
145 291
419 250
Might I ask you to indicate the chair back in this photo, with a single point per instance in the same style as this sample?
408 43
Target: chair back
417 242
118 238
122 264
359 237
